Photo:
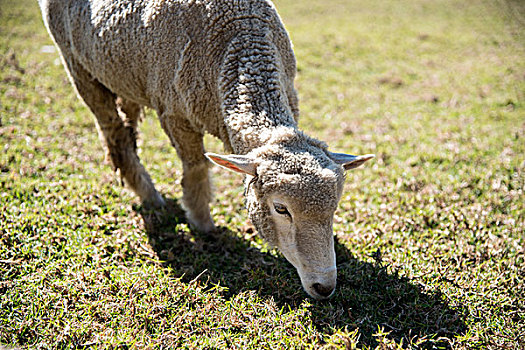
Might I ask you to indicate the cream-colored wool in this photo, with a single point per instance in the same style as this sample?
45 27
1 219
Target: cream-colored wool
222 67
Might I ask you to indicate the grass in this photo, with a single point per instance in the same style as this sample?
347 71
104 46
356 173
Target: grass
430 235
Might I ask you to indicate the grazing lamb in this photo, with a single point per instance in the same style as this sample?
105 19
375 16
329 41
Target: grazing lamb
222 67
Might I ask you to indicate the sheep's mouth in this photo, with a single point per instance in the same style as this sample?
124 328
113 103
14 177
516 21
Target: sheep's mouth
321 284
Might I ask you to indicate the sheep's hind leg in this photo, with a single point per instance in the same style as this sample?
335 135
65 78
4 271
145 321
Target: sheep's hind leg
196 186
119 134
138 178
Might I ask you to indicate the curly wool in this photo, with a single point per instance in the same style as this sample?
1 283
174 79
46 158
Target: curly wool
201 61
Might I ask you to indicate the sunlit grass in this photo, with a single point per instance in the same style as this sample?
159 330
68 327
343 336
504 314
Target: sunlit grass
430 235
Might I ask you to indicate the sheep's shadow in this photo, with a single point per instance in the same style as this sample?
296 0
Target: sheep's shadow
367 295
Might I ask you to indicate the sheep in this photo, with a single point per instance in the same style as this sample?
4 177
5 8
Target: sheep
207 66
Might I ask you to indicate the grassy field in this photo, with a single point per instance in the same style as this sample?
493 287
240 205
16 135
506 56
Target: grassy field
429 236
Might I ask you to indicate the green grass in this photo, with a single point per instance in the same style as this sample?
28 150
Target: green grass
430 235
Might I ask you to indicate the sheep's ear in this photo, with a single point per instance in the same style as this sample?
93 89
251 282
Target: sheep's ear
237 163
349 161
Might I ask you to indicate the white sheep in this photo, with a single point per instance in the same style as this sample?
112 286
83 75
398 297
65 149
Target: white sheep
222 67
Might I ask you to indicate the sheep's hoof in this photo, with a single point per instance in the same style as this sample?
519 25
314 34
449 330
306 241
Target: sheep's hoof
204 227
155 202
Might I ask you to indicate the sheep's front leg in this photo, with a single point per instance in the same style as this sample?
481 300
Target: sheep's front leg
197 195
196 186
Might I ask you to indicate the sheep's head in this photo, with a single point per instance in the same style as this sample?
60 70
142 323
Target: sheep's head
292 192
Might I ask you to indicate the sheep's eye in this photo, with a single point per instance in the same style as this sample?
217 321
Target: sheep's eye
281 209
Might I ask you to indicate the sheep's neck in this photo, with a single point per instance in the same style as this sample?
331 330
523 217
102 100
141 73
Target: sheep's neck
253 99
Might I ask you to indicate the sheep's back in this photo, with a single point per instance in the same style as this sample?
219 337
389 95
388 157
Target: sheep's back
161 53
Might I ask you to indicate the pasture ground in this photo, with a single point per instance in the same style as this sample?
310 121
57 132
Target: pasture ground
430 235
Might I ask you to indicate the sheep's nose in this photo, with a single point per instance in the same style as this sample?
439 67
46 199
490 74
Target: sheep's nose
322 290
